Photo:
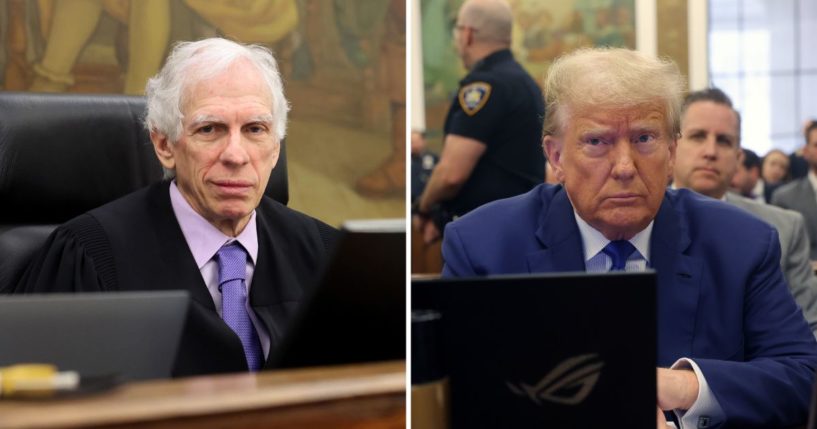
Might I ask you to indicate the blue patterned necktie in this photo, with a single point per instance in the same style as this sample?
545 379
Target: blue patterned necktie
619 251
232 263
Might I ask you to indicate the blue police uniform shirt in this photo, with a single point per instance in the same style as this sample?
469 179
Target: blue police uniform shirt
500 105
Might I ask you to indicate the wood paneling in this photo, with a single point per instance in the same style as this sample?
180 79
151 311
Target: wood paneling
355 396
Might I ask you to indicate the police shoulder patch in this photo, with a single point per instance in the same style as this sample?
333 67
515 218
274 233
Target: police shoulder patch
474 96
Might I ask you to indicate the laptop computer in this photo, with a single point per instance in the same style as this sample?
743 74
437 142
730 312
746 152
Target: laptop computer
130 335
572 350
357 312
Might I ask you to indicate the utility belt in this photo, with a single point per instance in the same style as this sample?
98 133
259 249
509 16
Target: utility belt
438 214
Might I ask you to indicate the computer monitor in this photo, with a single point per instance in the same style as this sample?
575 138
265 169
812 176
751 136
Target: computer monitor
571 350
130 335
357 312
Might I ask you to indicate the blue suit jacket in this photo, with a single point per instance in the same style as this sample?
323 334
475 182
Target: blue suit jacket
722 299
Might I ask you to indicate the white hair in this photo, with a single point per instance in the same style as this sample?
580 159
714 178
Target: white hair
193 62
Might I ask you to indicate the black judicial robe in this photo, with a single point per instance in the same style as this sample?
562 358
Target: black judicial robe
135 243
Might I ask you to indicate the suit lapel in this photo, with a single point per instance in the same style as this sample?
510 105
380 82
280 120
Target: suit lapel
205 331
275 291
559 236
260 292
807 195
679 274
679 278
178 263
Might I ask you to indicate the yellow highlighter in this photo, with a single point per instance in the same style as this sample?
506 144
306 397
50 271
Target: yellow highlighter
35 381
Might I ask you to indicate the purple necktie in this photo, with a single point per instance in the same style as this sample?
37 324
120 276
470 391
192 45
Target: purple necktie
619 251
232 267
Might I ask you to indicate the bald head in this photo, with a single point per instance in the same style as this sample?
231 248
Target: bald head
490 18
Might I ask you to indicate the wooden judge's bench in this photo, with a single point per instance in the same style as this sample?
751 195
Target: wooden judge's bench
355 396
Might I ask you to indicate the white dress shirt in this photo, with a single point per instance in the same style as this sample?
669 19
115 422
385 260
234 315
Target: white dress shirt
759 191
706 406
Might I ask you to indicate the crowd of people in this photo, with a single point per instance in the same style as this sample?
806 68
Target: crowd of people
758 178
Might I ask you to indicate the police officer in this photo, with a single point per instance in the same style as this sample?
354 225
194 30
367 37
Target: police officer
493 129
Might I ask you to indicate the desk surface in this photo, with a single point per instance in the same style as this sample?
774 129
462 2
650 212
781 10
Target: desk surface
359 396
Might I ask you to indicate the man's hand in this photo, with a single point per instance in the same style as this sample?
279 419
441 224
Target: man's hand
677 388
426 227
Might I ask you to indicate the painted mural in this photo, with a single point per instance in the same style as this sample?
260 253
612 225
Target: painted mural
342 61
542 31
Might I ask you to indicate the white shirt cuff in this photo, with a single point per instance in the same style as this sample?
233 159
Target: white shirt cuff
705 412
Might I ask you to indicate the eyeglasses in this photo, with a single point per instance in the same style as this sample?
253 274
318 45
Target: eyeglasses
459 27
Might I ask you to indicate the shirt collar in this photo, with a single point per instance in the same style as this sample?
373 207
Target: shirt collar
593 240
812 178
673 186
494 57
202 237
759 189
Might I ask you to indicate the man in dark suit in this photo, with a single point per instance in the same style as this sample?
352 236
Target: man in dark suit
801 194
706 161
726 321
747 182
216 116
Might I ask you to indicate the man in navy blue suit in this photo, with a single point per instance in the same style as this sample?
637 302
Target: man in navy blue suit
733 347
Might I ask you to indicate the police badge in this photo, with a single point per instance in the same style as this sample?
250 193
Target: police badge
474 96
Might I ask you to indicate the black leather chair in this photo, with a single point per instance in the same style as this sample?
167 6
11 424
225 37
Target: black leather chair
64 154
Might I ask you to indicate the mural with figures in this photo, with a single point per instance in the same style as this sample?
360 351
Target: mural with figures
343 64
542 30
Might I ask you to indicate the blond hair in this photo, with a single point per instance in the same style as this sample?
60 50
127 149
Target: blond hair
594 78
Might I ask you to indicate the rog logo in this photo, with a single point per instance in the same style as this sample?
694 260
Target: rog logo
569 383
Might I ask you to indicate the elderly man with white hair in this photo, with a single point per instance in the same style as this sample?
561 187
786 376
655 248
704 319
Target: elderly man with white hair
216 117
